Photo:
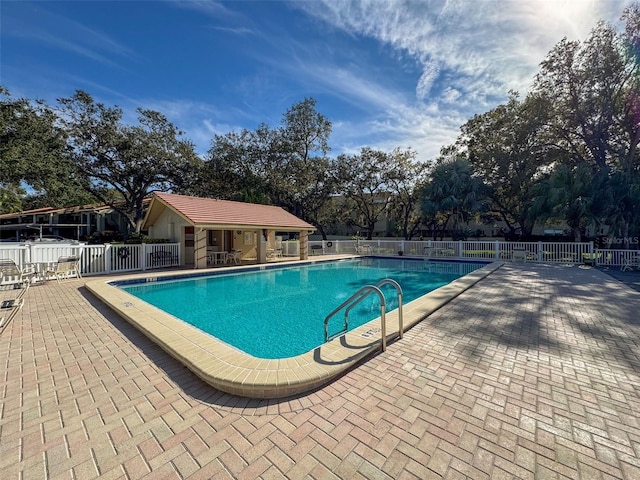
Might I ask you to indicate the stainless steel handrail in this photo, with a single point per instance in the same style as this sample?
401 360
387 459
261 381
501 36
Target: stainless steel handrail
398 288
358 297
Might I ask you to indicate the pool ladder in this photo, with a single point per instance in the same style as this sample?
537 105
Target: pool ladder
358 297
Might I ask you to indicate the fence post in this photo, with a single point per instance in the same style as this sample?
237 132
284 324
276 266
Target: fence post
143 260
539 251
497 249
28 254
107 257
459 248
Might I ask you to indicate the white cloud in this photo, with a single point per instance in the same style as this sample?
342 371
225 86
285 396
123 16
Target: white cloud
471 53
429 75
503 41
450 95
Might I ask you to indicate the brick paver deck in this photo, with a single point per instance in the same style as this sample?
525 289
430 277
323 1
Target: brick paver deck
532 373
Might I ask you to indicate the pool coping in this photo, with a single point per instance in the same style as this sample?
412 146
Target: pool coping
233 371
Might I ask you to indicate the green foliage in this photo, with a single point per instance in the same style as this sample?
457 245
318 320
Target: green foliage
33 153
570 148
451 195
285 166
365 187
570 193
592 93
404 180
132 160
505 148
137 238
10 198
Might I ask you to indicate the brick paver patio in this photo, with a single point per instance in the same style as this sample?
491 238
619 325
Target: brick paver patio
532 373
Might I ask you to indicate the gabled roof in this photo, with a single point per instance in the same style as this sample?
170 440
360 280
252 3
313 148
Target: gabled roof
213 213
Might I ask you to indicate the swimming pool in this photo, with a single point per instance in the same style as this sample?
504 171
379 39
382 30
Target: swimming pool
231 370
280 312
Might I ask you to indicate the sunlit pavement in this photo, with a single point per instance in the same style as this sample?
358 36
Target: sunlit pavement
533 373
630 278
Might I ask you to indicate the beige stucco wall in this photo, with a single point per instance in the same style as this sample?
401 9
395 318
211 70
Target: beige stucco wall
169 225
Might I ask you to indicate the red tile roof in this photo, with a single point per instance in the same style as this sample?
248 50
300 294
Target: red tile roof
210 211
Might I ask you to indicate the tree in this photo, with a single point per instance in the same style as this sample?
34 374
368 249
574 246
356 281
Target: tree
365 186
453 193
404 180
11 198
33 153
586 88
306 131
506 149
317 185
285 166
234 167
132 160
569 193
310 178
591 91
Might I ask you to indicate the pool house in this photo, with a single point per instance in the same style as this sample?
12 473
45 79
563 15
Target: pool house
217 232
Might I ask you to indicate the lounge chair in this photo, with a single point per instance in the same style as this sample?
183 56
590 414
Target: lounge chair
65 267
629 263
9 306
12 275
235 257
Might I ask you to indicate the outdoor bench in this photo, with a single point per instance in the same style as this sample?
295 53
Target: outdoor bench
315 248
163 257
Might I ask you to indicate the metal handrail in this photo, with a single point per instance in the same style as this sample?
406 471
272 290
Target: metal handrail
398 288
358 297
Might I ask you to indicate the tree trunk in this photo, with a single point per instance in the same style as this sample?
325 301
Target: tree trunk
577 234
625 235
322 232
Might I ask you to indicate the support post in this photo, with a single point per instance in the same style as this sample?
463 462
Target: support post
304 245
200 250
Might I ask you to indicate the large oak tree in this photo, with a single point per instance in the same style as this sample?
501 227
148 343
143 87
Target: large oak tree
131 160
35 167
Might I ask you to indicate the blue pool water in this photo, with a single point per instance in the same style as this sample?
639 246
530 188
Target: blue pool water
280 312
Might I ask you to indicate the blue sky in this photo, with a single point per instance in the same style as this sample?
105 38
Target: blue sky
387 74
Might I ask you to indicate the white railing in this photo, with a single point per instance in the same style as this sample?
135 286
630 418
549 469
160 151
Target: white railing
616 258
290 248
98 259
101 259
547 252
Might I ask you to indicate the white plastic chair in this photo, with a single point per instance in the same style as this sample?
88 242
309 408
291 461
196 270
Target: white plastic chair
235 257
65 267
12 274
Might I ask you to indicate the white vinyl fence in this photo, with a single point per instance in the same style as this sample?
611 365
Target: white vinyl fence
97 259
544 252
107 259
